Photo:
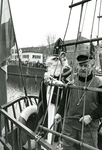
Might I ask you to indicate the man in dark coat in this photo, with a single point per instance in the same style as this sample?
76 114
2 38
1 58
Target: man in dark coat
84 106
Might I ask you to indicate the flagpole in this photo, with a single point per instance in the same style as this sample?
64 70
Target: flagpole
20 65
3 87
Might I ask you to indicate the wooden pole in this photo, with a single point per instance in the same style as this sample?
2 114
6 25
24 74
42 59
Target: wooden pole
3 92
3 87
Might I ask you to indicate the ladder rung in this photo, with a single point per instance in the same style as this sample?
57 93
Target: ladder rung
83 41
78 3
99 16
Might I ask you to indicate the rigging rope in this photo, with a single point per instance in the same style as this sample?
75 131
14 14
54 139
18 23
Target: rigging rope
99 18
44 116
84 17
84 105
66 107
86 77
25 91
75 50
56 105
93 19
68 22
75 56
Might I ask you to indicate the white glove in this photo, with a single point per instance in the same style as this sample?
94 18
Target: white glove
47 78
57 118
87 119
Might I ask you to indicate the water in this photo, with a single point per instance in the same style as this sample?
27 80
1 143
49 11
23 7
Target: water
15 87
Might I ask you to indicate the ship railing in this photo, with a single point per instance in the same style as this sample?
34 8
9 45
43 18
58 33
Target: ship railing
31 135
8 140
15 107
80 143
11 135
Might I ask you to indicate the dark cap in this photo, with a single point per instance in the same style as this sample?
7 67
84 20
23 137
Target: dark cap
83 58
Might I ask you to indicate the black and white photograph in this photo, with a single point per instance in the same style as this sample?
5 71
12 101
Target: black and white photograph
51 74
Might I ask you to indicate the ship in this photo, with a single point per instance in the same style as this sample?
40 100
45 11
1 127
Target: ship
19 117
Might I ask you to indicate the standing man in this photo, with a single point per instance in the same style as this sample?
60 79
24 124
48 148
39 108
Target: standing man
49 96
84 107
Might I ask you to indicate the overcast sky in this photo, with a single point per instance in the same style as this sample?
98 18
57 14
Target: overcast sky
35 19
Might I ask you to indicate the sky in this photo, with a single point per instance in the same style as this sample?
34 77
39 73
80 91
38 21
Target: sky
34 20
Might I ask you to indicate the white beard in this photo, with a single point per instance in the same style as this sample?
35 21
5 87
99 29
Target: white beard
52 70
84 73
55 67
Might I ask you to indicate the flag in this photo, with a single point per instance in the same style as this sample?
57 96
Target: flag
7 38
7 41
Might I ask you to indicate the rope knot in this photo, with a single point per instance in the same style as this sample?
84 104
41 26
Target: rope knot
37 137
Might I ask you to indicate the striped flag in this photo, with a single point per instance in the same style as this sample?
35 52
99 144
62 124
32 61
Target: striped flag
7 38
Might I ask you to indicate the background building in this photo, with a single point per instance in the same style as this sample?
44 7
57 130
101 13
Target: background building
39 54
30 54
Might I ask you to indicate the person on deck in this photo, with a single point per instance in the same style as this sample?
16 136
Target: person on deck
81 119
58 70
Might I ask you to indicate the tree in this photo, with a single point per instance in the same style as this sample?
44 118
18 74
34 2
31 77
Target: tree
50 42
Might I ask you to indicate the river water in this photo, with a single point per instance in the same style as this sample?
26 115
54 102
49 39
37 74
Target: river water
15 86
